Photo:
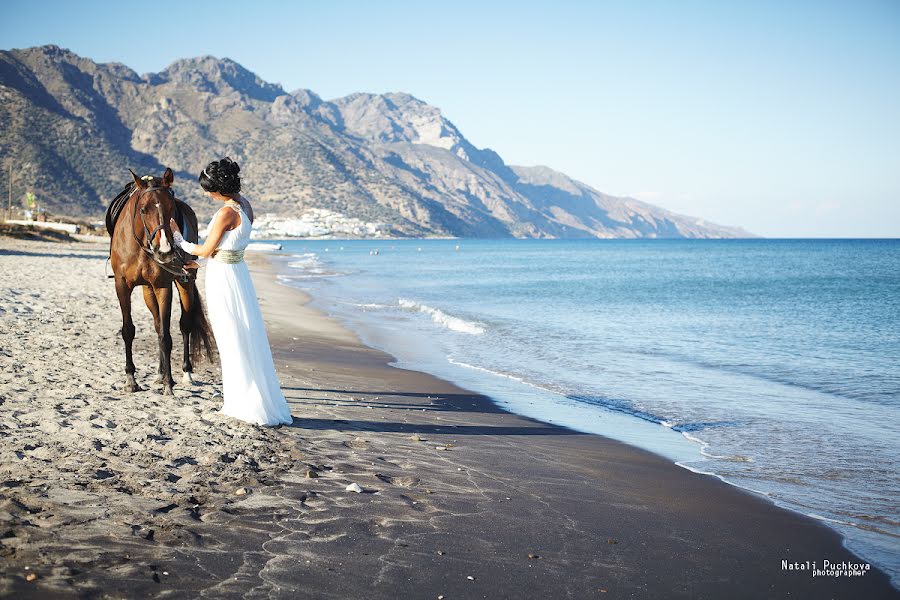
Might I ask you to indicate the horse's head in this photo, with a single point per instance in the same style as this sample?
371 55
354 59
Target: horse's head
155 205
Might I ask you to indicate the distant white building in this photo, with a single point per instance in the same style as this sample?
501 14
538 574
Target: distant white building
315 222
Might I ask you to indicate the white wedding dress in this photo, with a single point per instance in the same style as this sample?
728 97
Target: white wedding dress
250 388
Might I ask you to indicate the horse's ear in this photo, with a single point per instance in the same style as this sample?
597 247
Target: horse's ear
137 180
168 177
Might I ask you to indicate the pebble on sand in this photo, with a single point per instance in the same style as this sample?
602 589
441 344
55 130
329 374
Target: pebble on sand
354 487
31 577
242 491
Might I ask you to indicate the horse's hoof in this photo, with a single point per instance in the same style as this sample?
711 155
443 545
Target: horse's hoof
131 386
186 378
167 391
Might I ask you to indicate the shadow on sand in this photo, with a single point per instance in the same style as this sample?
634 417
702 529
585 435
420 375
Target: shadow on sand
424 428
426 403
99 255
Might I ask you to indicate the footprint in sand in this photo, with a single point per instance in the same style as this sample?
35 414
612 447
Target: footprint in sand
402 481
357 444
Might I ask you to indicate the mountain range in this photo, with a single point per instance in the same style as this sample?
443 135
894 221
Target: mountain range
70 128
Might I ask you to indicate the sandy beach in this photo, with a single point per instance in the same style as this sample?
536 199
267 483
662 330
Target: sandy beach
105 494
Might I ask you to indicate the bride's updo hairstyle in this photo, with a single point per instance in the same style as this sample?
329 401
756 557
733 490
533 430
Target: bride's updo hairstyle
221 176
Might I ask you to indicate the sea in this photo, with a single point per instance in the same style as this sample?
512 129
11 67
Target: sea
773 364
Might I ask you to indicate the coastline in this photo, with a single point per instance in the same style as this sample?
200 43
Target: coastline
454 487
574 459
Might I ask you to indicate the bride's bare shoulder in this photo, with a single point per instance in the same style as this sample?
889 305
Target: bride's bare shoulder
226 218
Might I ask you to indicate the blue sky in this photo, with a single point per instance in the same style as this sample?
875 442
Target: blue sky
781 117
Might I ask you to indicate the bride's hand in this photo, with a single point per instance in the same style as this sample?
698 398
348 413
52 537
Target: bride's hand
191 265
176 233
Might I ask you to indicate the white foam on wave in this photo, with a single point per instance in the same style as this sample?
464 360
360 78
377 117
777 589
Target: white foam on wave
520 394
263 247
516 378
371 305
704 448
299 276
442 318
306 261
700 471
307 266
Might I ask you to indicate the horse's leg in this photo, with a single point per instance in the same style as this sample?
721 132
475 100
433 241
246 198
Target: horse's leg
153 305
164 299
123 291
185 295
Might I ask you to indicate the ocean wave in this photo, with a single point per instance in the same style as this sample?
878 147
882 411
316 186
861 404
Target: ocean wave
368 305
460 363
306 262
442 318
685 429
299 276
851 389
622 406
704 449
308 266
310 270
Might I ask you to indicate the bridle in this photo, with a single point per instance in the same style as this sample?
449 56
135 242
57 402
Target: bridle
147 245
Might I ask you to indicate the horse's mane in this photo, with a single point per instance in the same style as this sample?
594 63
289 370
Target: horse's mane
115 207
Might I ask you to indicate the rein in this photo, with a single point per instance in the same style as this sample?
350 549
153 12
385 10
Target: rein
147 245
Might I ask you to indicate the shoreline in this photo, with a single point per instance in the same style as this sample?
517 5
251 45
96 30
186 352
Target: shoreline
454 487
639 455
354 293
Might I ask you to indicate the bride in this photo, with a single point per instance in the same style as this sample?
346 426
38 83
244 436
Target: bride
250 387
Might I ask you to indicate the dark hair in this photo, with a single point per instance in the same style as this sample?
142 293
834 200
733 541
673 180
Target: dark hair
221 176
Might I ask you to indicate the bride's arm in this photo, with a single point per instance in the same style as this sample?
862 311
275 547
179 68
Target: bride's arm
225 220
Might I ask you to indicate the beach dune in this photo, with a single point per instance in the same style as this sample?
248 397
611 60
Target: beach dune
110 494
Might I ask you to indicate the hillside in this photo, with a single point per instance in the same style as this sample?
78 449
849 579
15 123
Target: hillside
72 127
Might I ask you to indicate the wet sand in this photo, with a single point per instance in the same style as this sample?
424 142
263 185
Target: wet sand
108 494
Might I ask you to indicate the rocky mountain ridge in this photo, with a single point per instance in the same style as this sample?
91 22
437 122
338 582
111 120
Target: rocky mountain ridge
71 128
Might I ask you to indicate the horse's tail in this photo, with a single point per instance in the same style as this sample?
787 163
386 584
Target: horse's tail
202 340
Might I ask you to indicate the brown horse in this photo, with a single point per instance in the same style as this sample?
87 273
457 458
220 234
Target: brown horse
142 253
